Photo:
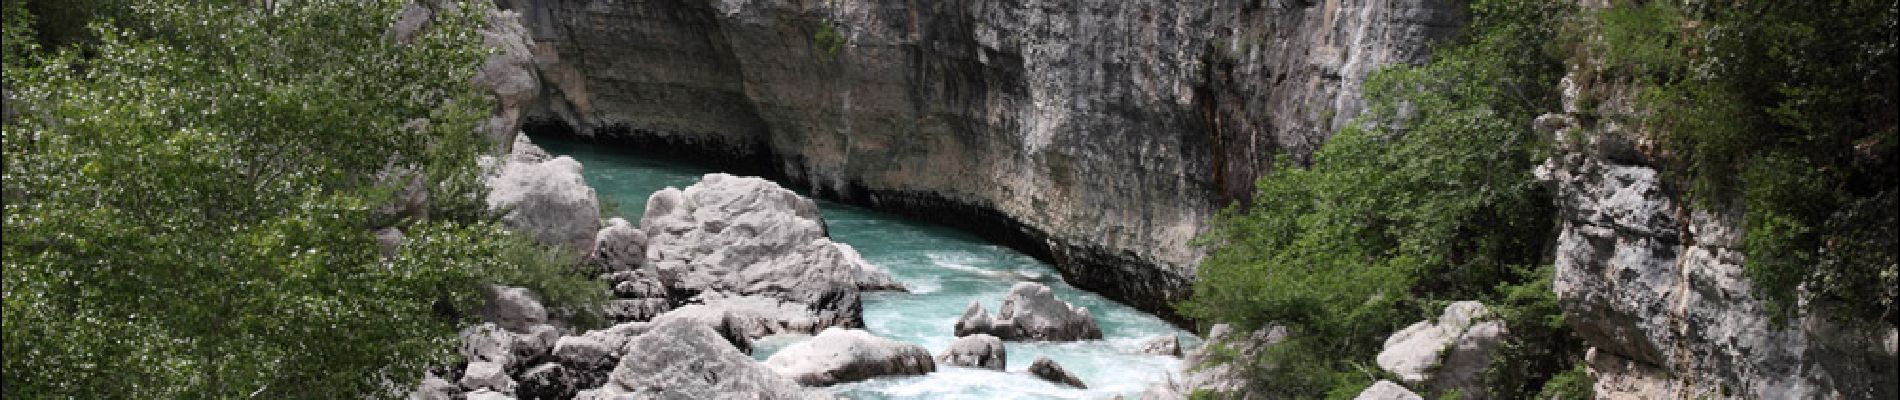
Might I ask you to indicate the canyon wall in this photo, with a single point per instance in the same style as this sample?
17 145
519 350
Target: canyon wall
1655 284
1098 134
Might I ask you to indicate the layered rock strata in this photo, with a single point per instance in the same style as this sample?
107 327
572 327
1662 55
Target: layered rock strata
1099 135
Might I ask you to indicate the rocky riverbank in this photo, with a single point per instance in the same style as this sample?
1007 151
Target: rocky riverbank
1098 135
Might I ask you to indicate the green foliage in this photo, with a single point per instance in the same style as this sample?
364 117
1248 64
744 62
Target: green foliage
1425 199
1788 109
828 39
189 199
1572 384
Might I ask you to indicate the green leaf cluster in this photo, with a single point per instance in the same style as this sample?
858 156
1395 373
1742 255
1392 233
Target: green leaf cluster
190 195
1426 198
1787 110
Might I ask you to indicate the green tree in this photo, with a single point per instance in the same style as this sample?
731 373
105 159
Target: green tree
190 195
1426 198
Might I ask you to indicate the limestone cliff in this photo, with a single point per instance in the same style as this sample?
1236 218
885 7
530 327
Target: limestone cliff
1099 134
1655 285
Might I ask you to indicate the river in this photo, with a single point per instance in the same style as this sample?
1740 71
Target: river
945 270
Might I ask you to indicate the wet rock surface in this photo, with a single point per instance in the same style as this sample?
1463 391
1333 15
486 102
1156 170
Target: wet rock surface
975 351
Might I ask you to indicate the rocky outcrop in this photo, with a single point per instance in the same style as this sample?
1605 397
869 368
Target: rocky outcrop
1656 287
975 351
848 355
1096 134
1448 354
747 247
1386 390
1048 370
1030 312
1221 376
684 359
545 197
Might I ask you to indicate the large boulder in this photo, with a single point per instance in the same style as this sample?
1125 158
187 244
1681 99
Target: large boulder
1030 312
487 375
1448 354
551 381
1386 390
1048 370
487 342
975 351
682 358
619 246
848 355
729 236
513 308
545 197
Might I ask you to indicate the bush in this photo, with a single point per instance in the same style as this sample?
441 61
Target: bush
1788 110
1427 198
190 194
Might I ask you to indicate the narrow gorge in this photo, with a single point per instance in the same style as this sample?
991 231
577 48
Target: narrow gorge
961 199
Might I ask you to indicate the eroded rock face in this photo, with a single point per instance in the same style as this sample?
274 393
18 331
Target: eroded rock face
1448 354
1099 133
752 249
975 351
1657 287
1030 312
1050 371
848 355
545 197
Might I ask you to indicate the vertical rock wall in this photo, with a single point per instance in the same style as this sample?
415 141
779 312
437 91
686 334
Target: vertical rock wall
1656 285
1099 134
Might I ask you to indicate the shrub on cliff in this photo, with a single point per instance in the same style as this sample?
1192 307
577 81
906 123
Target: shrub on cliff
190 193
1426 198
1788 110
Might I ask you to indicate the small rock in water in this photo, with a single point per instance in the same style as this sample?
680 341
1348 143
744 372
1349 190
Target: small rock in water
1050 371
1166 345
976 351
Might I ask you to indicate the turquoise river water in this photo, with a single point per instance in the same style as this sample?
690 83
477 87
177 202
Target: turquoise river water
945 270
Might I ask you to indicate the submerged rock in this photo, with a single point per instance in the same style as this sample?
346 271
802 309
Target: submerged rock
848 355
1166 345
1448 354
682 358
1050 371
975 351
1030 312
